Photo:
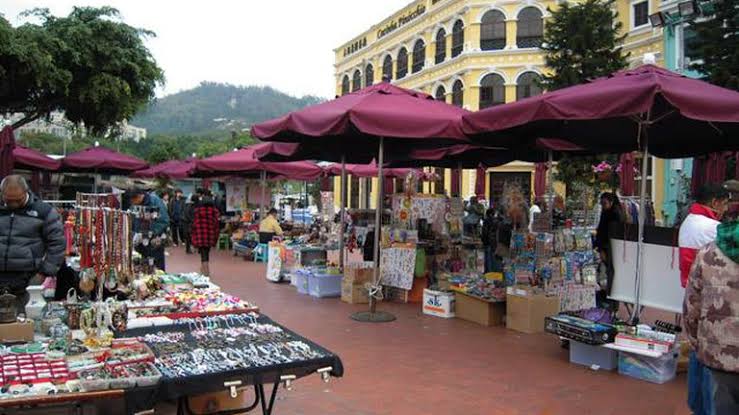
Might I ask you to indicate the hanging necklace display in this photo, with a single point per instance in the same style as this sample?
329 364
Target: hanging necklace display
111 282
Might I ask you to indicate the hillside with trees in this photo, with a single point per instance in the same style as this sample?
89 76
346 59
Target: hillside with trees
217 109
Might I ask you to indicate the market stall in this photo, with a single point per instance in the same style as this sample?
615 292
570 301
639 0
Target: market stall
128 331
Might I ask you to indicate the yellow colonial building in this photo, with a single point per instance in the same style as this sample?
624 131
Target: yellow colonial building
476 54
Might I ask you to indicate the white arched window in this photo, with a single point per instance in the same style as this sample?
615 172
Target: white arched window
528 85
492 31
492 90
530 29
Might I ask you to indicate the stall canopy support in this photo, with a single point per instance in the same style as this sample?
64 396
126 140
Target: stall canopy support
642 137
342 211
374 316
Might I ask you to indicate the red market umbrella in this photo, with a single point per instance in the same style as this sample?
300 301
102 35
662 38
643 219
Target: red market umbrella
370 170
626 175
672 115
101 160
646 109
7 145
30 159
245 161
357 126
172 170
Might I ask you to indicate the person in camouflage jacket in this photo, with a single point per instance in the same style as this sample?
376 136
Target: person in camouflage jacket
711 312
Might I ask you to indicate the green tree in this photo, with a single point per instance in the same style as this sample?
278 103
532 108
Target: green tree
582 42
717 44
89 64
164 149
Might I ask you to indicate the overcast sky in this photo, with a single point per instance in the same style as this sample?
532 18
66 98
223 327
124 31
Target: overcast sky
285 44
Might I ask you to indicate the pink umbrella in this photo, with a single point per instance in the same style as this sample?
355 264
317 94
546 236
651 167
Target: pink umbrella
172 170
355 127
646 109
370 170
7 146
30 159
102 160
619 114
245 161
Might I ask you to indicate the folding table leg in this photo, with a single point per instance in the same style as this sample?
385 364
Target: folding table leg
267 408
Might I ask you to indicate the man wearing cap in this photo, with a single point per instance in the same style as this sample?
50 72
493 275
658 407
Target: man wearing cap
31 239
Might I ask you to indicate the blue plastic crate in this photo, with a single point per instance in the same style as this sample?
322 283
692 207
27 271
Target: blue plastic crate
324 285
587 355
651 369
300 281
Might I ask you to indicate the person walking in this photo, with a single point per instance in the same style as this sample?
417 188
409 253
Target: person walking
188 215
205 229
32 239
711 312
699 229
176 211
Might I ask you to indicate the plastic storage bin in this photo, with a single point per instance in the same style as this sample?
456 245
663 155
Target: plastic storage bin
652 369
324 285
300 280
590 356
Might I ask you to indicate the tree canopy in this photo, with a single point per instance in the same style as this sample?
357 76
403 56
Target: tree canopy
717 45
89 64
582 42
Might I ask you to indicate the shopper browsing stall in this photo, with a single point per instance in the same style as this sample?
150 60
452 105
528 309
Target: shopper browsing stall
611 213
31 239
153 242
269 227
711 311
475 212
205 229
176 211
490 239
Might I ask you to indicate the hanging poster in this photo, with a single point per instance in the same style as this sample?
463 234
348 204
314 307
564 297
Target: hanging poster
274 262
235 196
255 195
397 266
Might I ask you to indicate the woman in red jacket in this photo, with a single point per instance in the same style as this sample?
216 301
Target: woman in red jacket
205 229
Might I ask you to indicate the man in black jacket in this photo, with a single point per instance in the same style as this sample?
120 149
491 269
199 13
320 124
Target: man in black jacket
31 239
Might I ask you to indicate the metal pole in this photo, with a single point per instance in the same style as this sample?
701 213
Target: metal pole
305 206
642 220
550 189
342 210
263 175
378 222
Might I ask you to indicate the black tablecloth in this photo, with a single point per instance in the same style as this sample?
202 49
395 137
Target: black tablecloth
174 388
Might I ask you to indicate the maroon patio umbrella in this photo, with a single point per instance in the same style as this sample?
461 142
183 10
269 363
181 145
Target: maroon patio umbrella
101 160
370 170
30 159
646 109
245 162
7 145
672 115
626 175
172 170
357 126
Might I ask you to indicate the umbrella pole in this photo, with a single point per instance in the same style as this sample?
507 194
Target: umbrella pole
305 206
263 175
642 221
374 316
342 210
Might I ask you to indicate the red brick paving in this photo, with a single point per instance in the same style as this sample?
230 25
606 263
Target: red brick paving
428 365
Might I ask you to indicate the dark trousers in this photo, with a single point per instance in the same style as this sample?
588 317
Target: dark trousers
725 394
700 387
491 262
204 253
176 227
186 236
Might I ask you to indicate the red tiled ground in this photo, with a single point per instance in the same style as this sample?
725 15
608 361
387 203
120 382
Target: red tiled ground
427 365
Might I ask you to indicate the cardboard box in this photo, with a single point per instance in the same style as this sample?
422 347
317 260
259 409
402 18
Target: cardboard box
480 311
16 332
640 343
526 313
359 273
353 293
439 303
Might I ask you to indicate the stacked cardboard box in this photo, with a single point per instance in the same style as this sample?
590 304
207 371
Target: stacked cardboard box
356 275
